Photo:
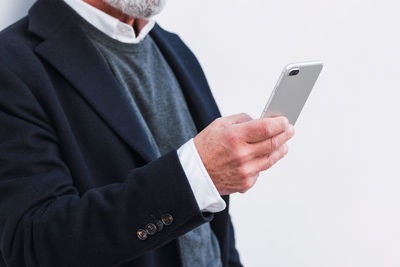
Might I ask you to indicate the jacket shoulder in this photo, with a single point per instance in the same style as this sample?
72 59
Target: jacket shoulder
165 32
17 46
172 39
17 34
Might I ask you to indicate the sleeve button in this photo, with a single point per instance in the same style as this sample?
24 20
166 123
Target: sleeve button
151 228
167 219
141 234
159 224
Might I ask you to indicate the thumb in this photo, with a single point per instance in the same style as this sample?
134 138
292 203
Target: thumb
237 118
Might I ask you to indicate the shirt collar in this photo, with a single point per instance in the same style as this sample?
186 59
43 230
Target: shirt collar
108 24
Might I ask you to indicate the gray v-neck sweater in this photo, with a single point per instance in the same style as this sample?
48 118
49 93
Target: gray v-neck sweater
158 101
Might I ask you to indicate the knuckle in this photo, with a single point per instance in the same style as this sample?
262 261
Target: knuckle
238 160
265 165
271 144
231 137
244 151
285 149
239 153
268 163
248 184
253 172
247 173
267 129
274 143
290 131
243 173
244 188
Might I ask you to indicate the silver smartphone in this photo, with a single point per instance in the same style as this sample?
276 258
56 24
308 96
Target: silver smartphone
292 90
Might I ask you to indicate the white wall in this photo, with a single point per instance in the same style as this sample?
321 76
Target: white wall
334 200
11 10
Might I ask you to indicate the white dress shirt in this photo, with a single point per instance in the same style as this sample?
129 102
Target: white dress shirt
204 190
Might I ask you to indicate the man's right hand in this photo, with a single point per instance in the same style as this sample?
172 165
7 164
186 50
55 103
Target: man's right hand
236 149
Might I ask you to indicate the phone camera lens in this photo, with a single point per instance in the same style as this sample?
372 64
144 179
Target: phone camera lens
294 72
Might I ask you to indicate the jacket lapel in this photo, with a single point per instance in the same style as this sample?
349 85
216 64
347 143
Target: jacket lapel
75 57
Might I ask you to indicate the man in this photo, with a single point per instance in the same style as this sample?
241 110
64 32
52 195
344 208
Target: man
112 149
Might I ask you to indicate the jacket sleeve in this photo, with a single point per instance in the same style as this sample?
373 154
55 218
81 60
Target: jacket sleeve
45 221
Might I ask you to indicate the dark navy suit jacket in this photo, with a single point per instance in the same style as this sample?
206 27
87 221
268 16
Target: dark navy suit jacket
78 176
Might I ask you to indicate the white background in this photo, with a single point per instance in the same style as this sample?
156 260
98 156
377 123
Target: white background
335 199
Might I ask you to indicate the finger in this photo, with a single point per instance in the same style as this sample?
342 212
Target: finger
271 144
266 162
276 156
262 129
260 164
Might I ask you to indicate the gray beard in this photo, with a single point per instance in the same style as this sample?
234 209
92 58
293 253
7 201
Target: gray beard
138 8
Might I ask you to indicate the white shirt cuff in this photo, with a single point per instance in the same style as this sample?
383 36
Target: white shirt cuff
204 190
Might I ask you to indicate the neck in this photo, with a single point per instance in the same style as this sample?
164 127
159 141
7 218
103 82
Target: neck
136 23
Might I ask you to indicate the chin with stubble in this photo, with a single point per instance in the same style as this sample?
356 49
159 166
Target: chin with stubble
138 8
